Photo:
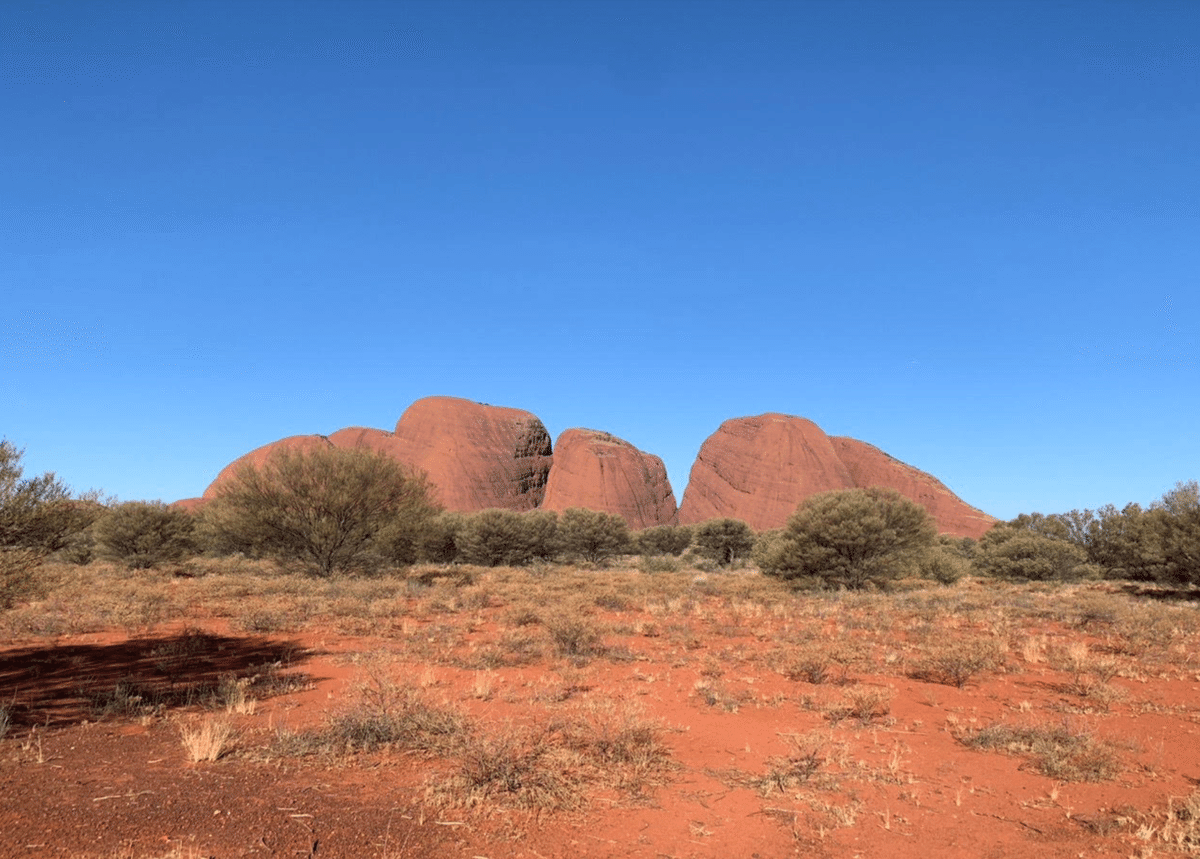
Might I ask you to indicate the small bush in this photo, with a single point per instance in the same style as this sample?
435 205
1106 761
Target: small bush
788 772
37 517
592 535
385 715
723 541
437 542
852 538
575 637
658 564
1057 751
335 510
496 538
516 767
1008 552
864 703
815 662
663 540
955 663
144 534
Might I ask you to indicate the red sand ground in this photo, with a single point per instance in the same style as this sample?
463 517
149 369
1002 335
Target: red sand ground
898 784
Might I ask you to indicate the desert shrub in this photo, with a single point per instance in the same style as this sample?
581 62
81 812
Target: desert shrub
723 541
1008 552
385 714
38 516
575 636
1179 513
438 541
592 535
943 564
956 662
521 767
658 564
506 538
663 540
1057 750
334 509
852 538
766 551
144 534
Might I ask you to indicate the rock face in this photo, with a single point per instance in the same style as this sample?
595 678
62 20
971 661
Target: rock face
599 471
759 469
870 466
259 455
477 456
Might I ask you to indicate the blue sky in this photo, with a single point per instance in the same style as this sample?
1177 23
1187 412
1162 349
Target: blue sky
965 232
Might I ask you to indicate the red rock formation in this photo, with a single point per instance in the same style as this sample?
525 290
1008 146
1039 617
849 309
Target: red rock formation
260 455
599 471
477 456
870 466
759 469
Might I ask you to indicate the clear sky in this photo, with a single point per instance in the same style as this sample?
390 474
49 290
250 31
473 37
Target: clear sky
965 232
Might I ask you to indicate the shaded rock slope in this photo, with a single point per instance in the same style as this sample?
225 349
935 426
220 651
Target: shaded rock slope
757 469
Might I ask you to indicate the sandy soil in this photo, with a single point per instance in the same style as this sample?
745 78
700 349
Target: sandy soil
753 758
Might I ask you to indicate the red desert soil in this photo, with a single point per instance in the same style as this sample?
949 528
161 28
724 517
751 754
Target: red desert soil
757 760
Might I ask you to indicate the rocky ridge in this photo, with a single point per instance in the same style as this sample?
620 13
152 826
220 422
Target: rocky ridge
757 469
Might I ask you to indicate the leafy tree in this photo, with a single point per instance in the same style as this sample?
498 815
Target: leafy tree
723 540
37 517
1011 552
1127 543
1179 526
592 535
854 537
663 540
337 510
143 534
507 538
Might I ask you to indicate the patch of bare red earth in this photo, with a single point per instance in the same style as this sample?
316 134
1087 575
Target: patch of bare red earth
72 787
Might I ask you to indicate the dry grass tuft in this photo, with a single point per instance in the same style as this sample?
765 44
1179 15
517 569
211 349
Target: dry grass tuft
864 703
209 741
1057 751
1178 826
386 715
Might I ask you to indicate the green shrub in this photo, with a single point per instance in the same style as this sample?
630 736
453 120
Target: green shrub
766 551
438 540
942 563
1007 552
852 538
506 538
592 535
37 517
723 541
334 509
143 534
663 540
